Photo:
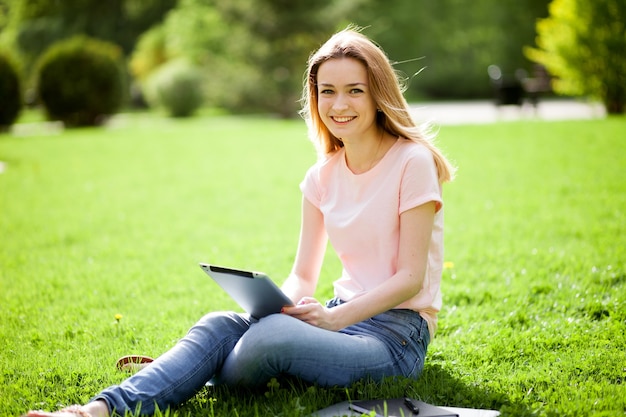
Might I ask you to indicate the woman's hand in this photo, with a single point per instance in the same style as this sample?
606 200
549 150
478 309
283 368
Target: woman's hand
311 311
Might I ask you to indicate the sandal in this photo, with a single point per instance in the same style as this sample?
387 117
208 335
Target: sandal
133 363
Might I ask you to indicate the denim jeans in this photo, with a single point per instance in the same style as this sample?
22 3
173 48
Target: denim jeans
234 349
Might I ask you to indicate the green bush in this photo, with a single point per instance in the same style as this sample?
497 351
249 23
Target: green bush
81 80
177 87
150 53
10 91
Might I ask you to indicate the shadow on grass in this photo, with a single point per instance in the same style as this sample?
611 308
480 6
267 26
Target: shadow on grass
295 398
438 386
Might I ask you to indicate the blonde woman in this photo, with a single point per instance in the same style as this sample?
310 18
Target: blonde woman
375 193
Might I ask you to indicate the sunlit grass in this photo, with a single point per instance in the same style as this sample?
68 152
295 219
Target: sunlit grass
101 231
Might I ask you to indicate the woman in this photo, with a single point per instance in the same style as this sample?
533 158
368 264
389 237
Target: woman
375 193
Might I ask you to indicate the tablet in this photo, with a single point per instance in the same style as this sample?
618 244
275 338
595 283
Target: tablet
255 292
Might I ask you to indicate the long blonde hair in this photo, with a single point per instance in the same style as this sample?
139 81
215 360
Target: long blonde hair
386 88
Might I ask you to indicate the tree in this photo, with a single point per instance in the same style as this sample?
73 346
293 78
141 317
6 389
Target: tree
4 13
582 44
197 31
285 32
453 40
253 52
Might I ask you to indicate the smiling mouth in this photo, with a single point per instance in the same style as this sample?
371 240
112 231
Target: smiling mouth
343 119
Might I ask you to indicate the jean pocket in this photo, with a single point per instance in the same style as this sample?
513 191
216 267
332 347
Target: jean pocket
394 326
407 335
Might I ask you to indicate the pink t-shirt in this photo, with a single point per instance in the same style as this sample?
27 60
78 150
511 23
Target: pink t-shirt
362 219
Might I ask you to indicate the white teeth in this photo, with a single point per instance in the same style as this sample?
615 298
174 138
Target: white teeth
342 119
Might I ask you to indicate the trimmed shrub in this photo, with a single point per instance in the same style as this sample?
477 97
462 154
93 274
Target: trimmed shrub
81 80
10 91
177 87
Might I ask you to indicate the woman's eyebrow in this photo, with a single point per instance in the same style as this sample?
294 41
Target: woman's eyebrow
347 85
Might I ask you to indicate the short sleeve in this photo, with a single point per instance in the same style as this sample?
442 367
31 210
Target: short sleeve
420 181
310 186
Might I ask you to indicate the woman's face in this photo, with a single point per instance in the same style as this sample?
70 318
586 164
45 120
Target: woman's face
344 101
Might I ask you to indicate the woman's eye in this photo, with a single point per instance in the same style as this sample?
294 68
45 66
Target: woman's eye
327 91
356 91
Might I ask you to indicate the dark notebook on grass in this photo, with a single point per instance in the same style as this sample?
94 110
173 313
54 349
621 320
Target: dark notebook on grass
398 407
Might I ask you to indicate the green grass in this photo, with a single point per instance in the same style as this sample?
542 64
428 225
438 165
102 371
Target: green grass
99 222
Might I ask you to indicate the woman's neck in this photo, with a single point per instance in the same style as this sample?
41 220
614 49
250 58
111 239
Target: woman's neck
362 155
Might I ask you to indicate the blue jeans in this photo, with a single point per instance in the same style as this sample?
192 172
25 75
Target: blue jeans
234 349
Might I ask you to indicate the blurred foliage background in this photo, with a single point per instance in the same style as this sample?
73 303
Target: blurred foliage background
251 54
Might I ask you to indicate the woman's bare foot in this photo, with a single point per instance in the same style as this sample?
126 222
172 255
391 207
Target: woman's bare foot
94 409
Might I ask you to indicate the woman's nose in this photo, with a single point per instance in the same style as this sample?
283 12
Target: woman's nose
340 102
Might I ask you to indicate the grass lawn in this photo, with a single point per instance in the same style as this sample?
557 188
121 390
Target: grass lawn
96 223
